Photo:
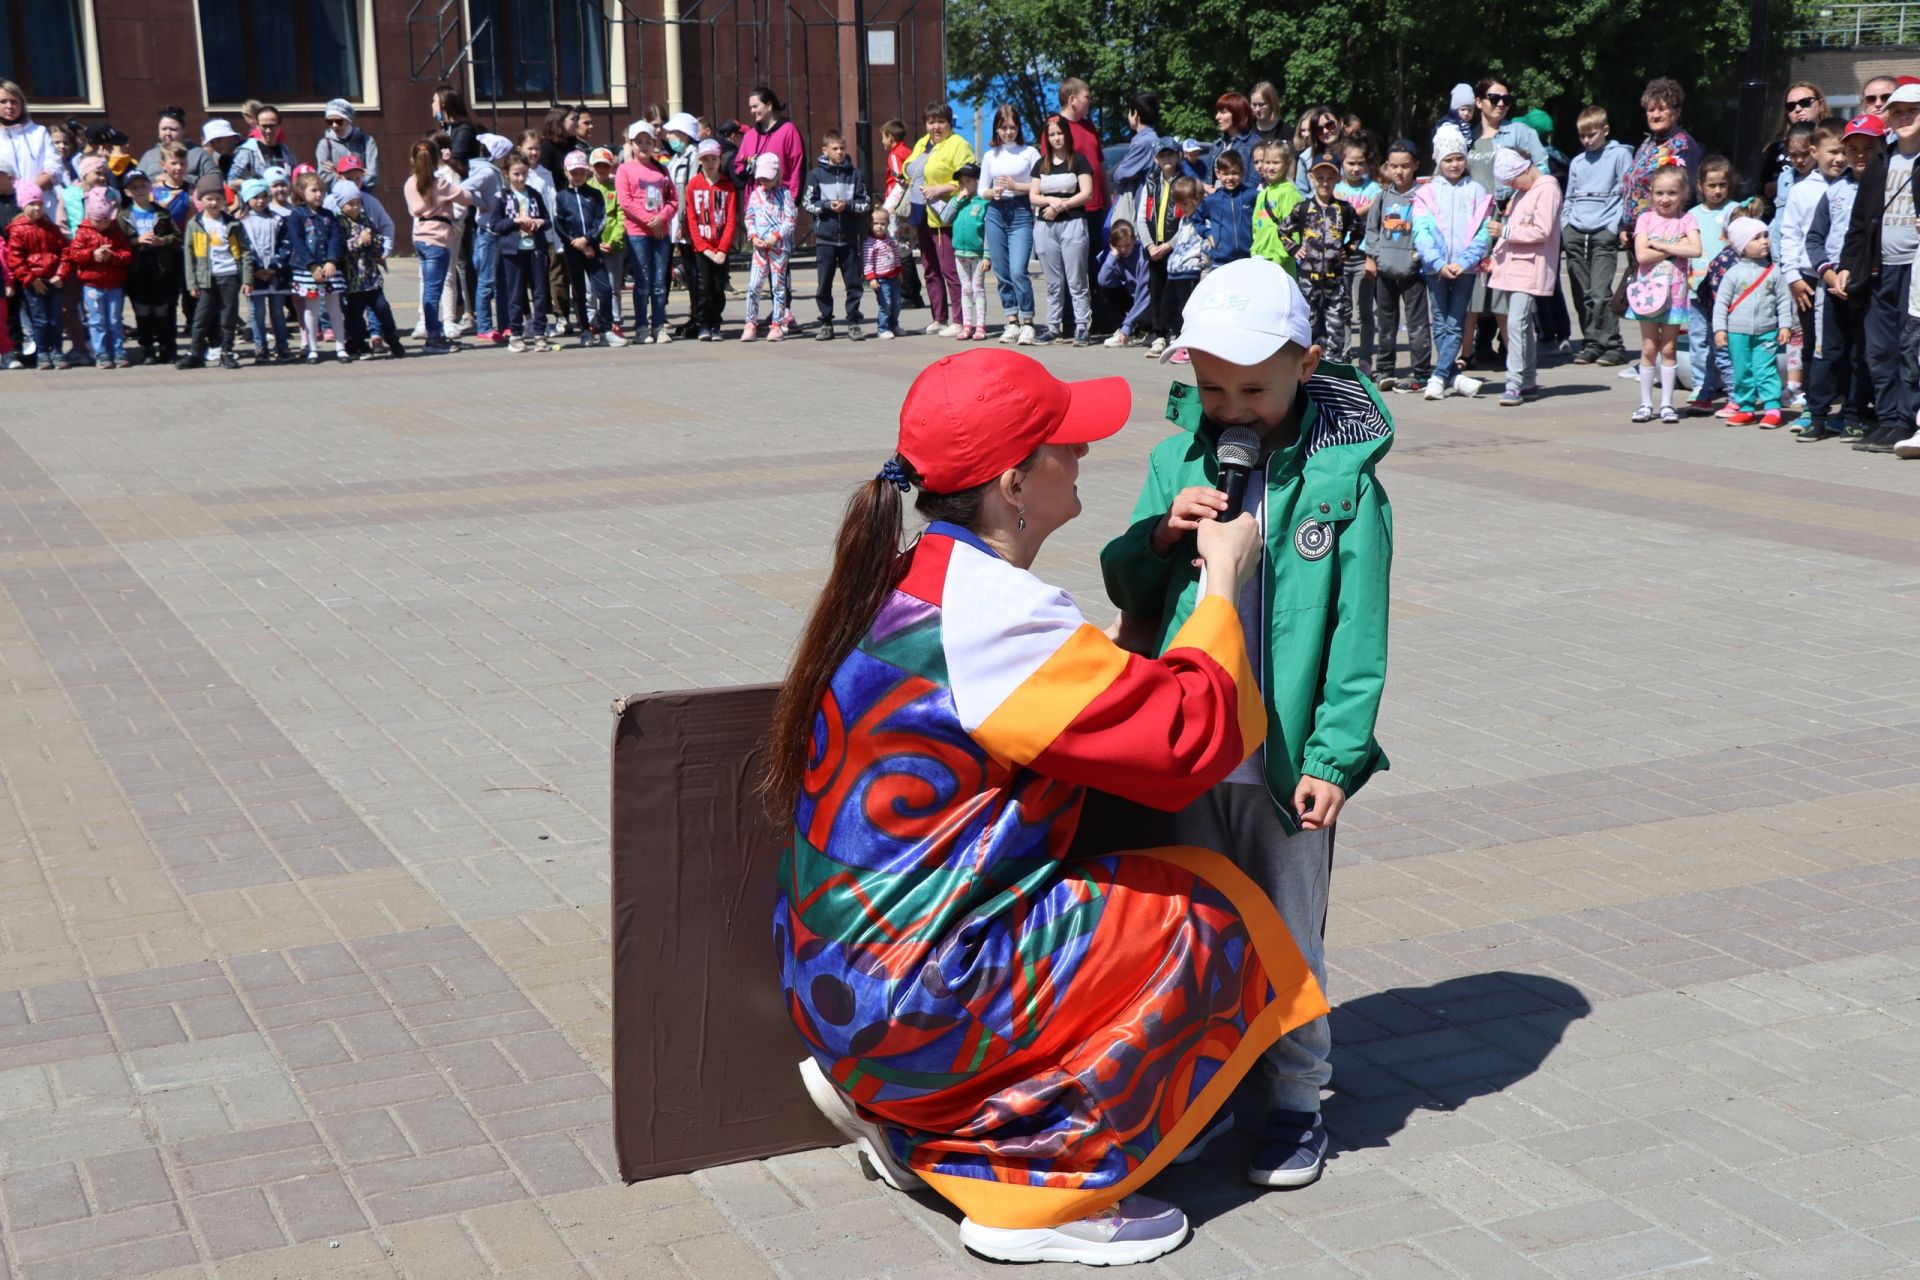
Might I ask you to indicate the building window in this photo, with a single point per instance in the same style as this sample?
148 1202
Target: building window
42 49
539 50
281 50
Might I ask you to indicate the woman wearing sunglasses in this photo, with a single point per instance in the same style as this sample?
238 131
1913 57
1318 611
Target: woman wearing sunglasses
1493 128
1321 132
1806 104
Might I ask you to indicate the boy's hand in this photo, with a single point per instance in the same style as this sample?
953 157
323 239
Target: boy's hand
1134 633
1720 339
191 293
1189 508
1373 269
1317 803
246 289
1837 284
1802 295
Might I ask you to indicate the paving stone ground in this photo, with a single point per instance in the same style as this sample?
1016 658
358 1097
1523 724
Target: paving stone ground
304 689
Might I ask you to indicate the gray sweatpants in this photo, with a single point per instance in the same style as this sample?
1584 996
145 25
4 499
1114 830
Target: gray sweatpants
1294 871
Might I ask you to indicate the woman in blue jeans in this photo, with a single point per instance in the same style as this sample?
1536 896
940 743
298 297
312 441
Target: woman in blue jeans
433 198
1006 171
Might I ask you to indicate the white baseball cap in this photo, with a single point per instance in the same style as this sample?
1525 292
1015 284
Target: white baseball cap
1908 90
216 129
1243 313
637 128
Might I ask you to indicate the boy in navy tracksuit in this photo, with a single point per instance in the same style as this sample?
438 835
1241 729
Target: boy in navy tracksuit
579 216
836 195
1229 210
1123 272
1839 370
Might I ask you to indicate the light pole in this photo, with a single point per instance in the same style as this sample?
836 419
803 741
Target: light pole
863 123
1753 94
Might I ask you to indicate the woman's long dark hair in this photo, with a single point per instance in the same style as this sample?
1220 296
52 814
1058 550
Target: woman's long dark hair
866 564
425 158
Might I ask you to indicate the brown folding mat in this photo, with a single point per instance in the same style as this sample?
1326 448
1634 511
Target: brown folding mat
703 1052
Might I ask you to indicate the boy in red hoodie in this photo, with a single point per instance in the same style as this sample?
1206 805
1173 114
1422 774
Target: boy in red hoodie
36 258
99 257
713 219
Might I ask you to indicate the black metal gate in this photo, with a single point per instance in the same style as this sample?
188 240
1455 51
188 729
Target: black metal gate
518 57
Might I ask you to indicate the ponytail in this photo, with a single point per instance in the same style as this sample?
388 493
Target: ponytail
425 160
864 569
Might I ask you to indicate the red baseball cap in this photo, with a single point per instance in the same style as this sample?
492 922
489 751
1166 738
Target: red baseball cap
969 417
1870 126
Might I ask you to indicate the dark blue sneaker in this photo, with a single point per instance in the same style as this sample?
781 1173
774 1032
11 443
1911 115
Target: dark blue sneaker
1222 1126
1293 1151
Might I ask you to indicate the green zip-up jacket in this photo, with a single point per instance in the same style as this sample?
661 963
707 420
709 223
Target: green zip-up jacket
1329 554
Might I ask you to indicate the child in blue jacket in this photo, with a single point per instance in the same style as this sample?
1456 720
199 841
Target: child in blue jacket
1450 234
316 250
1229 210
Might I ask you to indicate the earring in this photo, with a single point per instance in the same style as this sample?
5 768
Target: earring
1023 520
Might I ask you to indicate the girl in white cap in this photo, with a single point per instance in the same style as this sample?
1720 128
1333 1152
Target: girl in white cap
770 218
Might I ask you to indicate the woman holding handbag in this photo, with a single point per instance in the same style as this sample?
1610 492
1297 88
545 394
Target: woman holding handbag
1006 171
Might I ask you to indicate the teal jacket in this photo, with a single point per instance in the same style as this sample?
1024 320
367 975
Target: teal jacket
1329 555
968 218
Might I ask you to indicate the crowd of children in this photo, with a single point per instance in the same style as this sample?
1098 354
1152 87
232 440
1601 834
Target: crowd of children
1377 249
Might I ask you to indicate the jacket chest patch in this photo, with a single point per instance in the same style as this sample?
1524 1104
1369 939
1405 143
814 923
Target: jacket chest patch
1313 539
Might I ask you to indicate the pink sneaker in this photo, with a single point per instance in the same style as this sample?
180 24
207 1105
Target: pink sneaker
1178 357
749 333
777 332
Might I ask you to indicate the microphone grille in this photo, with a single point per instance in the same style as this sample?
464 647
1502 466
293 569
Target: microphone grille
1238 447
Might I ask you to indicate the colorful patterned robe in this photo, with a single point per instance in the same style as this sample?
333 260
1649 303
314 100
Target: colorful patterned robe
1040 1033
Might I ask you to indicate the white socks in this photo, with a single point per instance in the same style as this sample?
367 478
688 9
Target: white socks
1668 372
1646 385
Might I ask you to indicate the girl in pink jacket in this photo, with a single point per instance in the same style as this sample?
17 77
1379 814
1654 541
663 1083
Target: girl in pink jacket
647 199
1526 256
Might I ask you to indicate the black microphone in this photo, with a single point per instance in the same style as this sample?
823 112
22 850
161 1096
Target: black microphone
1237 453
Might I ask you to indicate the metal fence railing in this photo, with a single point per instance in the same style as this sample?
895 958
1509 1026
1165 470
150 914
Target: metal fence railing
1849 26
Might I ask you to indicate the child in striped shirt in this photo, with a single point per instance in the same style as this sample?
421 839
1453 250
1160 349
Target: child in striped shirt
880 263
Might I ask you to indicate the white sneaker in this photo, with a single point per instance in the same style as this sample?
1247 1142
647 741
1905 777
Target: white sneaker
612 340
1026 335
877 1154
662 336
1010 333
885 335
952 331
1115 340
1908 448
1154 351
1436 389
419 331
935 328
1465 386
1137 1229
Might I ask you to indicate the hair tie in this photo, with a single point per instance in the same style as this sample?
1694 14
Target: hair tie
894 474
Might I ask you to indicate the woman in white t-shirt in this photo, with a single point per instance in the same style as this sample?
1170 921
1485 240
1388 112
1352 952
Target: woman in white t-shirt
1062 185
1006 171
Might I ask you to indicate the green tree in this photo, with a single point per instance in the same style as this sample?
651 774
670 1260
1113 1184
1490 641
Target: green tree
1392 62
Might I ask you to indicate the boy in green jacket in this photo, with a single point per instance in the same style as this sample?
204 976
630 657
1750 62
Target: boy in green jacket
1315 617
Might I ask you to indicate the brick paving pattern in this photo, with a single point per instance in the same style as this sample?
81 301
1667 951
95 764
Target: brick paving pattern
304 678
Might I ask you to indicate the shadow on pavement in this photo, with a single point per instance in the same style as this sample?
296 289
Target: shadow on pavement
1396 1052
